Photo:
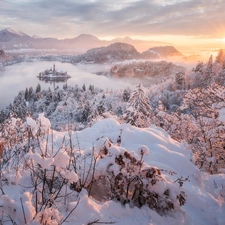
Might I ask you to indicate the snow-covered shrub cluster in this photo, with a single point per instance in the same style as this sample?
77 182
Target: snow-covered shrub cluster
132 181
44 176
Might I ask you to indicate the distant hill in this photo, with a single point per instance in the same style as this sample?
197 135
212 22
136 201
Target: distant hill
123 51
140 45
3 56
161 52
114 52
153 72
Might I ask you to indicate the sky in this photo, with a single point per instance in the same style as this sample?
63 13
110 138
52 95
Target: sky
176 21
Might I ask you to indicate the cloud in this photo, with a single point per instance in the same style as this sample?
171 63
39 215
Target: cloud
128 17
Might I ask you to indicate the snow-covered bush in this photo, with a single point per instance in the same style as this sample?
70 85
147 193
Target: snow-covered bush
131 181
46 174
47 178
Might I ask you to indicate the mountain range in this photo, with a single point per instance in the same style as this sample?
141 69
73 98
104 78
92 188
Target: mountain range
12 39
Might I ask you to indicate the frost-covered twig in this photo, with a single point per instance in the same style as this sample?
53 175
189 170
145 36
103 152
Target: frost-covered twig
24 216
70 212
99 222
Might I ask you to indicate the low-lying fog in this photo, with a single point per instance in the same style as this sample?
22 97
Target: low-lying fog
17 77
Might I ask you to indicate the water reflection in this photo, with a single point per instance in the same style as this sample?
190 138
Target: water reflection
53 81
20 76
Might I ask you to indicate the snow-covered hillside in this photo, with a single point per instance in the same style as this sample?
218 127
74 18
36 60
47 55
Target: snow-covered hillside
157 70
161 52
112 53
47 177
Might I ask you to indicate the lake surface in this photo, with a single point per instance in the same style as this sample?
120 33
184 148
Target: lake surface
17 77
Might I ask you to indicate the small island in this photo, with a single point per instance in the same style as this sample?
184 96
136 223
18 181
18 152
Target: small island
53 74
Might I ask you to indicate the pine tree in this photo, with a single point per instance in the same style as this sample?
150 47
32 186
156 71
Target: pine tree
84 87
220 57
126 95
180 81
138 110
223 66
38 88
209 71
91 88
101 107
30 92
199 67
86 112
26 95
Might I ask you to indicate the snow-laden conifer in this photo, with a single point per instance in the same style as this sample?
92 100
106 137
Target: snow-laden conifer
138 111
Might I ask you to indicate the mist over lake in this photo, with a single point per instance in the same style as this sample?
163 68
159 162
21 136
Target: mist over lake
17 77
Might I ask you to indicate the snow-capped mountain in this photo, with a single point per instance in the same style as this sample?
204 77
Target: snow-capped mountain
161 52
114 52
10 34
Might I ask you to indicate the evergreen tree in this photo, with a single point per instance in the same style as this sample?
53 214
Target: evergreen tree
138 111
180 81
30 92
223 66
101 108
91 88
126 94
38 88
26 95
209 71
86 112
220 57
197 79
84 87
199 67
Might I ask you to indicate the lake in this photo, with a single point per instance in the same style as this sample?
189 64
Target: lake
17 77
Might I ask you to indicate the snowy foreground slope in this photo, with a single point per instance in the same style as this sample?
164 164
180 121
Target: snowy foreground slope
204 202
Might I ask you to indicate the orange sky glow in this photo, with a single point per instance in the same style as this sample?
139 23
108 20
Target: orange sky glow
186 24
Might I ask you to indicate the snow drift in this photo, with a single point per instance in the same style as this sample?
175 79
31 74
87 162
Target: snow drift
47 177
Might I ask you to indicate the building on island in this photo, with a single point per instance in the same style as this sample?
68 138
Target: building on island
53 74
